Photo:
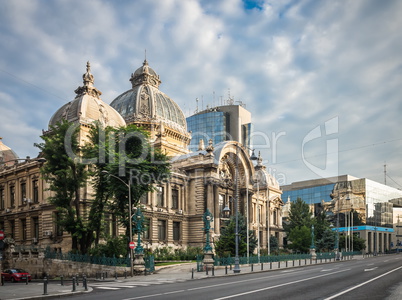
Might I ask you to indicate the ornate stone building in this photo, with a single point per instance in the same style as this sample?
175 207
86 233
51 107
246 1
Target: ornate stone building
208 178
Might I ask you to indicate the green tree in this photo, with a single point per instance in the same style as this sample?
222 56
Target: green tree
66 176
273 243
127 156
326 242
300 220
225 246
359 244
299 216
301 239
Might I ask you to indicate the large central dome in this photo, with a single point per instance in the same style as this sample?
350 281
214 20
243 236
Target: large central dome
146 103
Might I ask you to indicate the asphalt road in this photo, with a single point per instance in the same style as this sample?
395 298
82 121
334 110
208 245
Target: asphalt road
372 278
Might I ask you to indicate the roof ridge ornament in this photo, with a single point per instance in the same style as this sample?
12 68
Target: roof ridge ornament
145 75
88 87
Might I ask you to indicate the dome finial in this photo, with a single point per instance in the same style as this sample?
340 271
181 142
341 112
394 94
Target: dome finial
88 77
88 87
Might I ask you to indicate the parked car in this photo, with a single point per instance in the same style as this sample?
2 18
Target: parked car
15 275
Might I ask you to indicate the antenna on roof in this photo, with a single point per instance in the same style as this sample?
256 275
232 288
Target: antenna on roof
196 109
385 172
145 54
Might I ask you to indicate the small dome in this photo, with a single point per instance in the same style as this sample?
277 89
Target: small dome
146 103
88 107
264 178
7 155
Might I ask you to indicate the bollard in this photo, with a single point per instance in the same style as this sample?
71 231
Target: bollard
206 268
311 261
84 282
230 267
125 274
213 271
61 280
262 266
252 267
279 264
2 280
293 263
77 280
320 260
115 275
26 280
226 270
192 273
286 264
299 262
73 284
270 265
305 261
45 286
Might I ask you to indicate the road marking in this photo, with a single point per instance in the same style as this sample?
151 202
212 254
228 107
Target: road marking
280 285
361 284
174 292
326 270
140 297
369 264
386 260
287 271
107 288
372 269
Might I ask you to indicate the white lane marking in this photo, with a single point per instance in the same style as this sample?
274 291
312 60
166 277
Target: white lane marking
280 285
326 270
141 297
174 292
361 284
372 269
107 288
369 264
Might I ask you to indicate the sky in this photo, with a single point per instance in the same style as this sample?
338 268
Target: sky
322 79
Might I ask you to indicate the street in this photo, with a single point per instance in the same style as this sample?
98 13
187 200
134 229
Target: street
371 278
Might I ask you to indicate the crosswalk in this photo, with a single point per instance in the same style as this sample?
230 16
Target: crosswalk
117 285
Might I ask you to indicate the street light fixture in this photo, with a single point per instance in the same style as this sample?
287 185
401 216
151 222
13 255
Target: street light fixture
130 215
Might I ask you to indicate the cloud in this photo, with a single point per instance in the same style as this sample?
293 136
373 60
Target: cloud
296 65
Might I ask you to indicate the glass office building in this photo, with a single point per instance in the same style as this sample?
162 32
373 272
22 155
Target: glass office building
221 123
212 125
347 193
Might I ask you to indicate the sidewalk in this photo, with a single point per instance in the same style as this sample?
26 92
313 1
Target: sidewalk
172 273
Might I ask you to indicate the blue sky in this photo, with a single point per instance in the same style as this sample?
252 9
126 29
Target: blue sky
297 65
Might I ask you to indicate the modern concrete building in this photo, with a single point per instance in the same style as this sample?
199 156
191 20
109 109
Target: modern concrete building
221 123
204 179
343 194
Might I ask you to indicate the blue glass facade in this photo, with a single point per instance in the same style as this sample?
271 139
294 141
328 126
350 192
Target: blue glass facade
211 125
310 195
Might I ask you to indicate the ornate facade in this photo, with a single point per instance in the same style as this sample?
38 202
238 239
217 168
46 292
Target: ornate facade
210 178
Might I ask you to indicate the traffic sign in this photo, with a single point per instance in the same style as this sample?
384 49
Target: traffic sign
131 245
1 235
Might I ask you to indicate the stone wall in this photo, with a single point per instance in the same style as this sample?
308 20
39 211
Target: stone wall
39 267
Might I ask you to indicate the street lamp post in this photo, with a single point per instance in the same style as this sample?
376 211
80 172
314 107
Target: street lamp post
208 254
139 263
237 261
130 215
337 230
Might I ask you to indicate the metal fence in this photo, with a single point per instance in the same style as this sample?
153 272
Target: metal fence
100 260
227 261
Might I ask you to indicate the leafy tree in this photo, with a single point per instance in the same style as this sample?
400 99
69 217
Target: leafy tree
273 243
136 161
226 246
299 216
326 242
301 239
359 244
66 176
300 220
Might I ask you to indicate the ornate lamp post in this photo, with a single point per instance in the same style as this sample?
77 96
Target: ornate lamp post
139 263
312 247
208 254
